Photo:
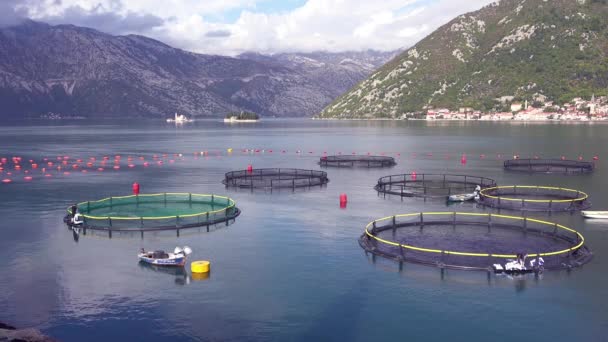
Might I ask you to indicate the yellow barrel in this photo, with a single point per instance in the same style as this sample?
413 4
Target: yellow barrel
201 266
230 150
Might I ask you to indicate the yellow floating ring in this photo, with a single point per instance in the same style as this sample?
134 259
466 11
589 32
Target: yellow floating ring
201 266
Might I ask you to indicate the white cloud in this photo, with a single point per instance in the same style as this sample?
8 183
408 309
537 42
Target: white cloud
332 25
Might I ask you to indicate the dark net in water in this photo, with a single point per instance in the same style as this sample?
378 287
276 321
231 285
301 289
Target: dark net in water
534 198
549 166
470 241
357 161
275 178
430 185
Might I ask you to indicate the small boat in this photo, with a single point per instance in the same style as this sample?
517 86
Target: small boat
519 266
594 214
462 197
74 222
162 258
465 197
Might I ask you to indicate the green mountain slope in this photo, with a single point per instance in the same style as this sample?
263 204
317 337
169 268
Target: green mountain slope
520 48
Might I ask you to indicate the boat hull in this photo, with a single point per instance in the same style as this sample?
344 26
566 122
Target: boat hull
461 198
595 214
179 261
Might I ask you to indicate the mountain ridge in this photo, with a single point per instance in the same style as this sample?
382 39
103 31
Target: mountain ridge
78 71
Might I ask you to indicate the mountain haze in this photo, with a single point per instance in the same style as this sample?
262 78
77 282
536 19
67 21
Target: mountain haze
527 49
73 70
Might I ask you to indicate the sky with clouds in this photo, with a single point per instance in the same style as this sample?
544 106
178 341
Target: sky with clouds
230 27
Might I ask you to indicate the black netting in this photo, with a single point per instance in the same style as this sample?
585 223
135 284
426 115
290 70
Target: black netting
275 178
431 185
534 198
549 166
357 161
474 241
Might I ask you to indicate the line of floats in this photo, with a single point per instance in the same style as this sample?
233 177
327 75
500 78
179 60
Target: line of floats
17 168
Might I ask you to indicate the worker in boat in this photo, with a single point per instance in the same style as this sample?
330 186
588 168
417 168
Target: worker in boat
77 220
477 189
521 258
73 209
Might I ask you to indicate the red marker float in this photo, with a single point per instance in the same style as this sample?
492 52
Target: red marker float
343 201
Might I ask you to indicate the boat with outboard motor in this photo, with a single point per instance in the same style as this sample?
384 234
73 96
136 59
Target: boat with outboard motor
74 222
162 258
594 214
518 266
465 197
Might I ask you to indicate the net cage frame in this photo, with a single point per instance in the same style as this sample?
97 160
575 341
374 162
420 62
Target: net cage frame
408 185
567 200
288 178
576 255
209 218
549 166
352 161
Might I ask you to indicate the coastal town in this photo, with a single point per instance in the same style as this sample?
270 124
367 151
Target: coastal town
578 109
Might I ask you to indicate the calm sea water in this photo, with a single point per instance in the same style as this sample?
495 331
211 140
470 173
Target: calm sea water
290 267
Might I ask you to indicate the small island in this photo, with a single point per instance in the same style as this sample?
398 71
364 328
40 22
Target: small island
242 117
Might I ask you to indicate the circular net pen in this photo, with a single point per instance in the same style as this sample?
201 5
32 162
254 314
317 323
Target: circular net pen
357 161
275 178
474 241
571 167
534 198
430 185
157 212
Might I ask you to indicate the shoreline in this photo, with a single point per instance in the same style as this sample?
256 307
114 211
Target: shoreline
466 120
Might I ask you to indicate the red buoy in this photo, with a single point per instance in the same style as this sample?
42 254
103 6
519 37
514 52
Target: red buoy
27 178
596 158
463 159
343 201
6 180
135 188
249 168
414 175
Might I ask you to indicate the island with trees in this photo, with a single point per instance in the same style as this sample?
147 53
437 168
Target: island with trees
241 117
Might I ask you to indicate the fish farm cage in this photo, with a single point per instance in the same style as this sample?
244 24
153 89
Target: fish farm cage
473 241
534 198
157 212
275 178
430 185
571 167
357 161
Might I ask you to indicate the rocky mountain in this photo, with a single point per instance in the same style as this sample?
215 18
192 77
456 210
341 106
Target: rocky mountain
76 71
508 50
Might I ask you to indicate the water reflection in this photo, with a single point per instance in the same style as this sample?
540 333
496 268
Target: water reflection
179 273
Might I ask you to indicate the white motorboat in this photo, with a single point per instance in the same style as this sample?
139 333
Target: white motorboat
465 197
594 214
518 266
162 258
